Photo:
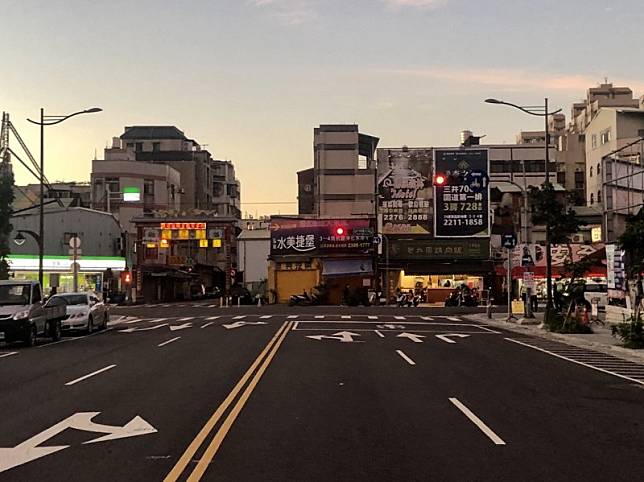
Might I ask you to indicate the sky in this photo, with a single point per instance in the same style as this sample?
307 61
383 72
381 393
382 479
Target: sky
252 78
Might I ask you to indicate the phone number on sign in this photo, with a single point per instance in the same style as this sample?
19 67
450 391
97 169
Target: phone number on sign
463 222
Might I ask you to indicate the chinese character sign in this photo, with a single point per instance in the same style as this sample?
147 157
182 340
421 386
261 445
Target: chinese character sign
293 236
405 191
462 206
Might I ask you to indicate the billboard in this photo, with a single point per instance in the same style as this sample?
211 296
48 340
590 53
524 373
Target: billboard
462 200
295 236
440 249
404 188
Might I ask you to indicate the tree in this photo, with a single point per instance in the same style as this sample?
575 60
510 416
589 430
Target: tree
561 223
632 243
6 200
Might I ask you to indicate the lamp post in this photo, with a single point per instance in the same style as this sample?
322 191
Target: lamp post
48 120
540 111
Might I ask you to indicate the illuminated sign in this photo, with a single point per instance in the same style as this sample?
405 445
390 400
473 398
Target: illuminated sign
596 234
131 194
203 243
189 226
216 243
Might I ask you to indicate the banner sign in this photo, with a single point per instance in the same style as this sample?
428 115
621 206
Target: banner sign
435 249
293 236
183 225
462 205
404 189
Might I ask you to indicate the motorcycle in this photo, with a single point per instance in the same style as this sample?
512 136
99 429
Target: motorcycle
462 297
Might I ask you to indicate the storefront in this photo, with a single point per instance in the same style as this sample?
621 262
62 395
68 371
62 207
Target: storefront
308 253
57 271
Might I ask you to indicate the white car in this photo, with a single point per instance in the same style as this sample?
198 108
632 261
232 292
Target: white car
84 312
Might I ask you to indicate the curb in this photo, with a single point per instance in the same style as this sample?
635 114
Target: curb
635 356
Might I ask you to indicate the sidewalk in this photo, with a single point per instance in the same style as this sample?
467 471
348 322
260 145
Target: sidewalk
600 340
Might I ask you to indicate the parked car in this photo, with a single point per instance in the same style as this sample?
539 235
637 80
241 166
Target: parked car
596 290
84 312
24 315
241 294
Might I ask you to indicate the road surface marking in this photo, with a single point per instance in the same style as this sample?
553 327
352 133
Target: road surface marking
641 382
290 317
265 317
478 422
3 355
295 325
399 317
453 318
428 318
379 334
206 325
212 306
89 375
135 320
212 318
319 317
190 452
168 342
219 437
65 340
346 317
372 317
187 318
341 336
157 320
240 317
446 337
405 357
489 329
411 336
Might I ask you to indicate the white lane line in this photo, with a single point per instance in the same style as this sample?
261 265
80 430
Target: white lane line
292 317
157 320
165 306
428 318
73 382
399 317
265 317
346 317
319 317
478 422
405 357
489 329
212 318
206 325
641 382
187 318
212 306
379 334
240 317
452 318
295 324
76 338
372 317
135 320
3 355
169 341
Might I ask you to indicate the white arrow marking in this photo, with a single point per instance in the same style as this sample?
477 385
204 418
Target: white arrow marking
181 327
412 337
29 449
446 338
239 324
132 330
341 336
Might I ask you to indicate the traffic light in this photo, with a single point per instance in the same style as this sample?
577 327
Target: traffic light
440 180
454 178
339 231
127 277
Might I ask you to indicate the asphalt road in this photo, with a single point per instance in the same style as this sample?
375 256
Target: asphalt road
197 392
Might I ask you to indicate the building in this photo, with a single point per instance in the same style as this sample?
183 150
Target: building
62 194
226 190
306 191
101 256
180 256
253 250
344 171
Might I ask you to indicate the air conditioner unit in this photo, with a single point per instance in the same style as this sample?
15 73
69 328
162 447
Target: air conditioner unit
577 238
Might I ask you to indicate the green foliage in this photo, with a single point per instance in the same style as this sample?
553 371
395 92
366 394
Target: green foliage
631 333
632 242
570 323
6 200
559 217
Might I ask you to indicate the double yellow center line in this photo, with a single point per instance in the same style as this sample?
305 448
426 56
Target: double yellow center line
263 360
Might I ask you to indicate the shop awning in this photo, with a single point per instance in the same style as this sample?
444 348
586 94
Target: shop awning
345 267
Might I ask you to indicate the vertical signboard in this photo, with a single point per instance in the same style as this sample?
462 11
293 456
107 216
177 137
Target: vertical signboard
404 189
462 200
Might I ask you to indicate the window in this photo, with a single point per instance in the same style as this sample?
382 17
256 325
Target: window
148 187
599 196
130 145
605 137
139 147
156 146
36 297
363 164
112 184
591 171
599 168
592 198
594 141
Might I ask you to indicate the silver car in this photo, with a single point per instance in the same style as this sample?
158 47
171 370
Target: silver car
84 312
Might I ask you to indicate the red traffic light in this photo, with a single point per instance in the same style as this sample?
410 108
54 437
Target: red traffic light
339 231
439 180
127 277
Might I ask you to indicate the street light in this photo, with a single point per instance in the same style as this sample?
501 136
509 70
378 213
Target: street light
48 120
540 111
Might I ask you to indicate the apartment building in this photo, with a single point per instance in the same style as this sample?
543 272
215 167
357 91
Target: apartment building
226 189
